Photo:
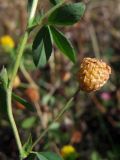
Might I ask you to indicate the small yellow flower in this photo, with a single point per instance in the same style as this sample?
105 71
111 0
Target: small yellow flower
93 74
7 41
67 150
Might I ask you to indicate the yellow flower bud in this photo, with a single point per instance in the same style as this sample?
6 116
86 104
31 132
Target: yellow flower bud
7 41
16 82
93 74
67 150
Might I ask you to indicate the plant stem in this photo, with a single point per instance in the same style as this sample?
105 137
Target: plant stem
19 55
60 113
12 122
9 92
20 51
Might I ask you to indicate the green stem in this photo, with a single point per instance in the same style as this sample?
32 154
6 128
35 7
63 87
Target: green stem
19 55
61 112
20 51
9 92
12 122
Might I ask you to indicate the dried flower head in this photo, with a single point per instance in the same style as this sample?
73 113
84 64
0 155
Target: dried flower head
93 74
7 41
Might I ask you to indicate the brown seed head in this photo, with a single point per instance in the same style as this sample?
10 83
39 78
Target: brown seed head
93 74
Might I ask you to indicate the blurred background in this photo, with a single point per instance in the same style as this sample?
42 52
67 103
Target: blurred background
91 129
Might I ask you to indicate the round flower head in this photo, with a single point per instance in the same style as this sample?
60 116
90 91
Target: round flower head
7 41
93 74
67 150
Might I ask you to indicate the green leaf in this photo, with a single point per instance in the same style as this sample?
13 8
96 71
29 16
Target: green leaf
47 156
42 47
63 44
39 56
54 2
28 122
27 147
67 14
24 102
3 78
